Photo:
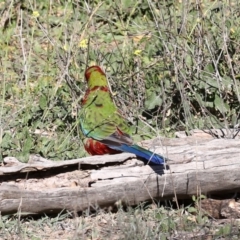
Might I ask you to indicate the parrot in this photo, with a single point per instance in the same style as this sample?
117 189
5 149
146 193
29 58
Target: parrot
105 129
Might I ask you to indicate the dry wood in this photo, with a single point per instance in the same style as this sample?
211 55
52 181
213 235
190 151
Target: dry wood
35 163
198 165
209 133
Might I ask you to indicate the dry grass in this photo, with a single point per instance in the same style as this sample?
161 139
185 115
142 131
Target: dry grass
151 222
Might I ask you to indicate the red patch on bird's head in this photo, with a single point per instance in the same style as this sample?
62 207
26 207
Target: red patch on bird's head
93 69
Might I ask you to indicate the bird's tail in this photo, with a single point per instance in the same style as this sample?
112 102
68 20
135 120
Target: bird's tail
143 153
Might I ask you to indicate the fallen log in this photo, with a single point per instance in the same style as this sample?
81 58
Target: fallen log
196 165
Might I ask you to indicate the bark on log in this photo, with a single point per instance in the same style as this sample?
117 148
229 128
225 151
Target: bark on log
197 165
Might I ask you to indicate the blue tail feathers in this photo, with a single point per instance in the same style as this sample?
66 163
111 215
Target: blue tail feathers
142 152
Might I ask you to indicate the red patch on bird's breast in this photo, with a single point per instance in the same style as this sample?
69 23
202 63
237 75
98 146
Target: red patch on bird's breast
93 69
94 147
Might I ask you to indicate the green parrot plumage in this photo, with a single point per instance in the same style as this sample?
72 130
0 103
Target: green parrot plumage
101 122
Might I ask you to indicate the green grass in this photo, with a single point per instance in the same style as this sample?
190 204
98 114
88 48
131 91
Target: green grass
172 65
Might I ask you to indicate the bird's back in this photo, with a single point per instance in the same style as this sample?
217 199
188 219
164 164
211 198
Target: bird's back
99 115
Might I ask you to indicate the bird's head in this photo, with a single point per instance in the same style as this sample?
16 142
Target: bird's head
95 77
